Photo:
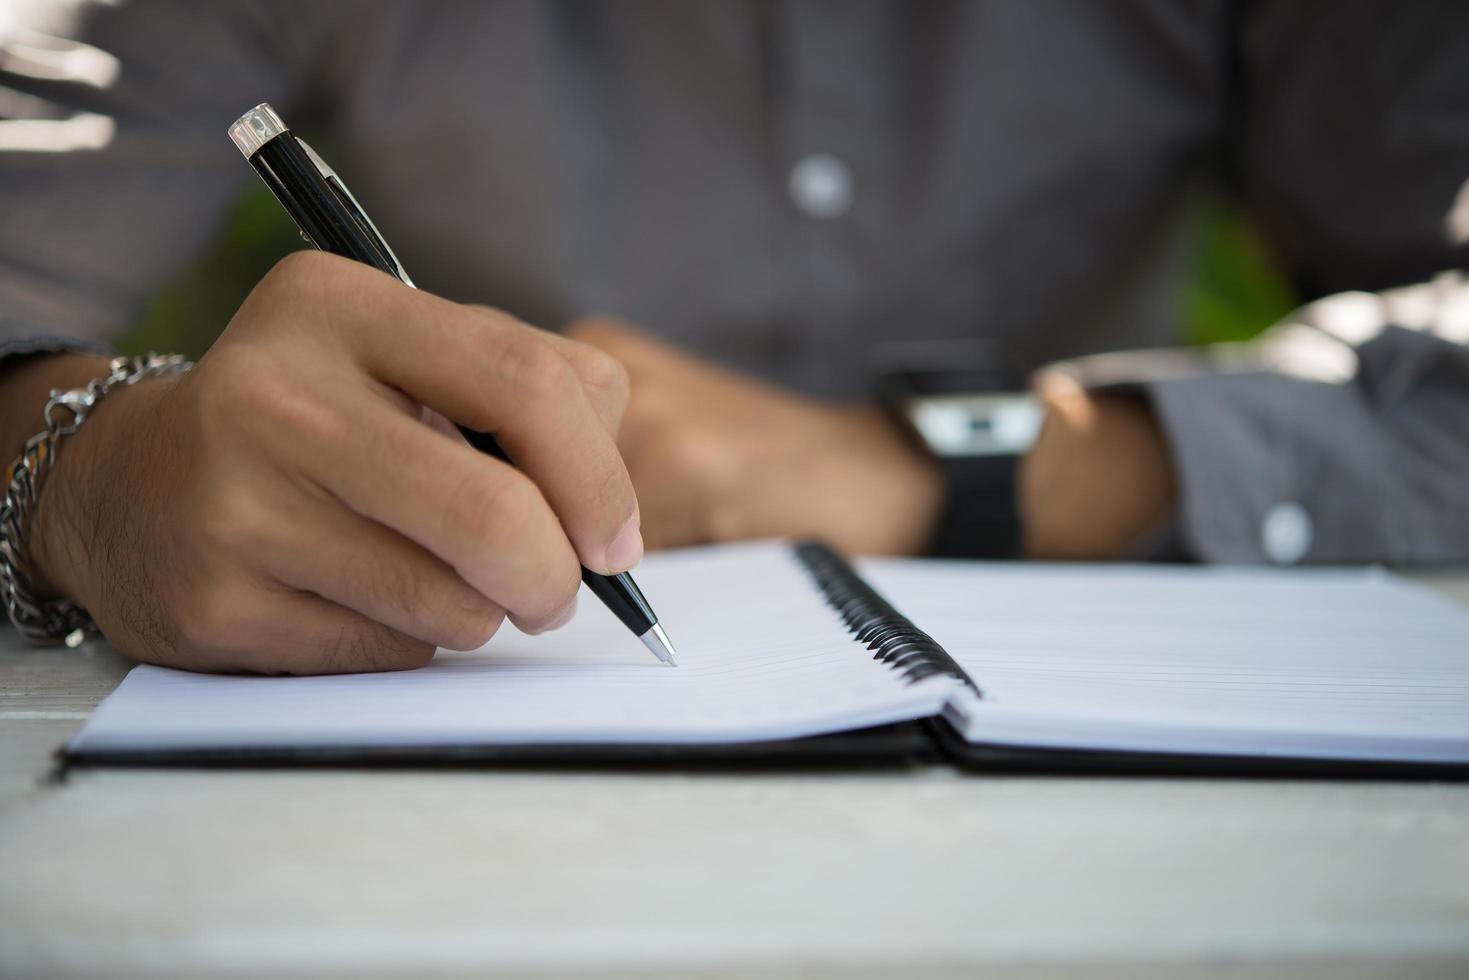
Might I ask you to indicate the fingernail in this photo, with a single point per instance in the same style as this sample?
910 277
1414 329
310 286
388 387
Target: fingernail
626 550
563 617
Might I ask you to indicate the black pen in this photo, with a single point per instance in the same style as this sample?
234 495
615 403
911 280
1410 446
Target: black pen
331 219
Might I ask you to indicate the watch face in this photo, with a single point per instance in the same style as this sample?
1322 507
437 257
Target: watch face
961 398
976 425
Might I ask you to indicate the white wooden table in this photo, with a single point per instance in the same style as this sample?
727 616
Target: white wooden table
137 873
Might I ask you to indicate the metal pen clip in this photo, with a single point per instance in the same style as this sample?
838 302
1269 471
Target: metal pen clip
340 188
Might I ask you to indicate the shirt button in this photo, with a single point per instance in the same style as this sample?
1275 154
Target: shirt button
1286 533
822 186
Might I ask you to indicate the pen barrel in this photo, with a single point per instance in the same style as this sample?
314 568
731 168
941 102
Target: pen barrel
325 220
621 595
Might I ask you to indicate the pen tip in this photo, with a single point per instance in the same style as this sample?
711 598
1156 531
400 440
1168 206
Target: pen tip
657 641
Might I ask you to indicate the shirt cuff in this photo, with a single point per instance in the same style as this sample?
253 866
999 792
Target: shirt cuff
1279 470
1217 464
12 347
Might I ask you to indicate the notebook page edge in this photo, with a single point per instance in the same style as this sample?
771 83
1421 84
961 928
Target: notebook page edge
109 729
992 723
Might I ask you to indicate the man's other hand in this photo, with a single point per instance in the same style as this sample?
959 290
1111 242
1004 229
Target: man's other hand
719 457
297 503
1099 477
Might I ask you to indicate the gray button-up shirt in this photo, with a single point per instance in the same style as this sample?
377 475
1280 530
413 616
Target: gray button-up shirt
785 185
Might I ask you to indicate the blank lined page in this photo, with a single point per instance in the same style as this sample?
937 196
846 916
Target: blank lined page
1309 663
760 657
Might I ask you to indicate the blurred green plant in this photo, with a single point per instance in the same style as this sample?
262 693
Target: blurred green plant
1236 288
189 313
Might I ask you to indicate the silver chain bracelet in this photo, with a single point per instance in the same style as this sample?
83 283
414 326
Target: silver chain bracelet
57 620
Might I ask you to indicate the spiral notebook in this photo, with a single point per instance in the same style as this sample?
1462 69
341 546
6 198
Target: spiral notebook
789 651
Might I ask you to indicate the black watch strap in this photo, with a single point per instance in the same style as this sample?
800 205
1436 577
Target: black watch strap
981 516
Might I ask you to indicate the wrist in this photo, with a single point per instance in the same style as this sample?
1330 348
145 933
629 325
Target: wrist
58 535
1098 479
91 473
25 386
26 383
905 483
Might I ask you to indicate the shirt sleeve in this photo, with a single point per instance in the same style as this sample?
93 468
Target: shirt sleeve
115 169
1343 434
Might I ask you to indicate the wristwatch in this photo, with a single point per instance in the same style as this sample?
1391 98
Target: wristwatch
975 417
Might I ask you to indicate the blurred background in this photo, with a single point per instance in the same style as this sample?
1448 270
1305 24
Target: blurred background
1235 289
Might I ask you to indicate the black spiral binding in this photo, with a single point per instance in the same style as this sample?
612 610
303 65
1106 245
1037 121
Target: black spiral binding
888 633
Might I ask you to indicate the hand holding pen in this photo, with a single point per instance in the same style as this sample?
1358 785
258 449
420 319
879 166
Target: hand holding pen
331 219
284 508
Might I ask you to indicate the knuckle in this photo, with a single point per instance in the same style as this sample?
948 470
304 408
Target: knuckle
555 592
375 648
453 614
408 654
469 625
412 655
345 651
462 512
302 271
388 584
564 580
314 285
603 373
537 373
497 513
511 523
